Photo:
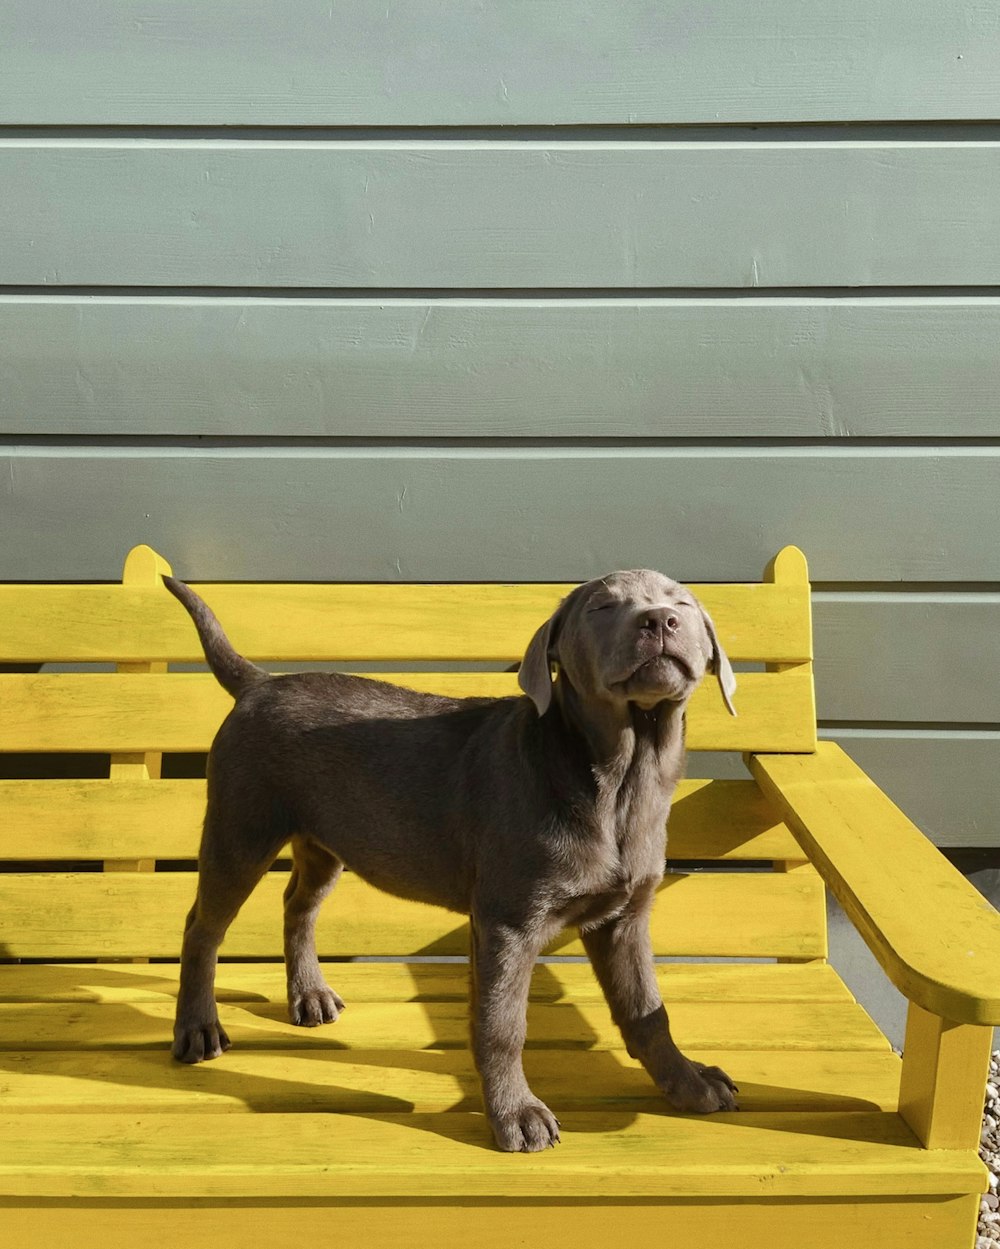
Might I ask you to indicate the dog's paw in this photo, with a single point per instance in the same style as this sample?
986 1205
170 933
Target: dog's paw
527 1129
700 1090
199 1043
311 1007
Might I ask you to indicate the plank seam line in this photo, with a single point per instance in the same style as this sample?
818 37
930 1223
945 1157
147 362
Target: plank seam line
952 131
53 446
521 296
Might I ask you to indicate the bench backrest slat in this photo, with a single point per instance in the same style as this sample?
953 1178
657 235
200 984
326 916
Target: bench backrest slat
175 712
141 914
79 820
328 623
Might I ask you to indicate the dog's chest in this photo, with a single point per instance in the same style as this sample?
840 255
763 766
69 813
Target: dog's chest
605 871
622 850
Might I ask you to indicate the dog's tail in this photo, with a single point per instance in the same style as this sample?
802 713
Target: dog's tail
234 673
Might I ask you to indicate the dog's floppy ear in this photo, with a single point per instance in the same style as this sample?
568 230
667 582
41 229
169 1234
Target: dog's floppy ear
720 665
534 675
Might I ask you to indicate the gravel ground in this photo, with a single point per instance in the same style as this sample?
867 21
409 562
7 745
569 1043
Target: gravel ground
989 1151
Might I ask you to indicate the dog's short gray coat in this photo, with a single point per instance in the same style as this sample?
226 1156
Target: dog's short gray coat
526 813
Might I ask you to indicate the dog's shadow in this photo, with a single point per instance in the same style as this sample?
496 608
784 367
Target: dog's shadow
64 1036
104 1024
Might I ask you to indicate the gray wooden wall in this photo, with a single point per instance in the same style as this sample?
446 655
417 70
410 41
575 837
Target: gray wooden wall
525 289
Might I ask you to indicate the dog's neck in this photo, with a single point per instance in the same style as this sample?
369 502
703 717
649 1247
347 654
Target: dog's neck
626 744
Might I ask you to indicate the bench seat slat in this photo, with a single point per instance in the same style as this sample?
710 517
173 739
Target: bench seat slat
764 1154
100 819
283 1081
412 982
131 713
410 1026
125 915
86 624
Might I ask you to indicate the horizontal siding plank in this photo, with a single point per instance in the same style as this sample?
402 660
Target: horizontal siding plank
276 1081
123 915
416 982
498 214
497 63
918 513
757 1155
793 1026
310 622
792 367
162 820
182 711
917 657
947 782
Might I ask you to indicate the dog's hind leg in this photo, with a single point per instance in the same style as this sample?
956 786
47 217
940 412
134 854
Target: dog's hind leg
315 871
227 874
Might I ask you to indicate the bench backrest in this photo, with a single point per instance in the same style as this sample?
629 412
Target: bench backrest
111 861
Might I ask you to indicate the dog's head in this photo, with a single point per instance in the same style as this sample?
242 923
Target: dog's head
630 637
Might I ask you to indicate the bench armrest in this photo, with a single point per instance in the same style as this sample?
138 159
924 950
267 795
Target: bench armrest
936 937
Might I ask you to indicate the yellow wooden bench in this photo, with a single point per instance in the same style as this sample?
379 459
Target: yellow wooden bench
370 1131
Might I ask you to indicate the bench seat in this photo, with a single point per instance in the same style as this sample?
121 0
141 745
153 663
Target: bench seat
385 1104
90 1037
371 1130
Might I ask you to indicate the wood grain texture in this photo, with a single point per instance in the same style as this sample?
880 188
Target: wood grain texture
182 711
367 1082
760 1155
468 213
121 915
169 62
936 937
143 567
921 513
555 980
310 622
945 1071
408 1028
619 367
900 1223
121 819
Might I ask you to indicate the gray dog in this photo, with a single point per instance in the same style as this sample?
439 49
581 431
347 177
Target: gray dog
527 814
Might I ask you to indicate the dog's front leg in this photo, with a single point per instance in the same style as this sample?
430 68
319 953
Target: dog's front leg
503 958
622 956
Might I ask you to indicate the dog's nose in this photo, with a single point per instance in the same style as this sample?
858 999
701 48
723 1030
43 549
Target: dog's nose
659 620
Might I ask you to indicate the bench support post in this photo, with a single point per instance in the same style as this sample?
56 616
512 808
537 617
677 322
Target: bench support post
789 567
945 1067
143 568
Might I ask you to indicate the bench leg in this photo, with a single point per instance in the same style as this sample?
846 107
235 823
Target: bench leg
945 1068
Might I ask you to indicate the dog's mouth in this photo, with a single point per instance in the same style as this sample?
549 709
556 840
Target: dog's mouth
657 678
663 665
